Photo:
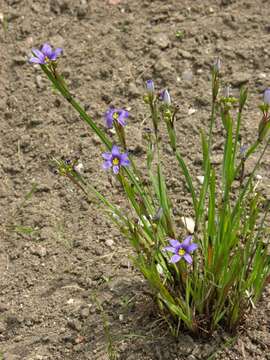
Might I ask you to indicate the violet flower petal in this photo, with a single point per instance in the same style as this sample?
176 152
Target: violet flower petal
115 151
107 156
106 165
192 247
121 120
35 60
175 258
169 248
56 53
188 258
187 241
124 161
47 50
116 169
174 243
38 54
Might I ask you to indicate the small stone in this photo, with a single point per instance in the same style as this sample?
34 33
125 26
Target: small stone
185 54
191 111
262 75
39 82
200 178
121 317
109 242
75 324
38 250
82 10
2 328
96 140
85 312
162 65
217 159
3 308
19 60
133 90
240 78
162 41
187 75
10 356
188 223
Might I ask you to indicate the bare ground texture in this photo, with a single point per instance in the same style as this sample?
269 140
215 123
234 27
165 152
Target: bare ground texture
67 286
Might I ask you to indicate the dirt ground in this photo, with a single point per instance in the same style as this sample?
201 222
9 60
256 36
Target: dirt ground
67 289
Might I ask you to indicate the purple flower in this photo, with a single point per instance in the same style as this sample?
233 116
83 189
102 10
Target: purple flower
115 159
181 250
118 115
150 86
45 55
243 150
266 96
165 97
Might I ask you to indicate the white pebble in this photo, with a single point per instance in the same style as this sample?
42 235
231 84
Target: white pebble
200 178
188 223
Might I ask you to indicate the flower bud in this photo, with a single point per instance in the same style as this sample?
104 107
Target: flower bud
217 65
227 91
150 86
266 96
166 97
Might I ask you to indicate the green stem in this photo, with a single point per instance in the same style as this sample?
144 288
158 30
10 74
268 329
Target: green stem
57 82
236 135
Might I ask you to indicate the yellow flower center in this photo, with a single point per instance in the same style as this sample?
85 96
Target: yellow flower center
47 59
115 161
181 252
115 115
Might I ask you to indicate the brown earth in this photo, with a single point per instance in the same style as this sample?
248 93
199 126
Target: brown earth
65 271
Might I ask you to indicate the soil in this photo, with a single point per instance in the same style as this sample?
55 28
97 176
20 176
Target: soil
68 289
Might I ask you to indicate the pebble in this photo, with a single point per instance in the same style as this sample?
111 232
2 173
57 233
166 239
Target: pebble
40 83
200 178
162 41
240 78
188 223
191 111
96 140
133 90
109 242
75 324
185 54
217 159
162 65
38 250
85 312
82 10
187 75
10 356
2 328
19 60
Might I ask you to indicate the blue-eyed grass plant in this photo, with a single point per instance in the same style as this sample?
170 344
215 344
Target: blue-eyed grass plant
216 276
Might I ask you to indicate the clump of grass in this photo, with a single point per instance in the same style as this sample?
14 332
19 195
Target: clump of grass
210 275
